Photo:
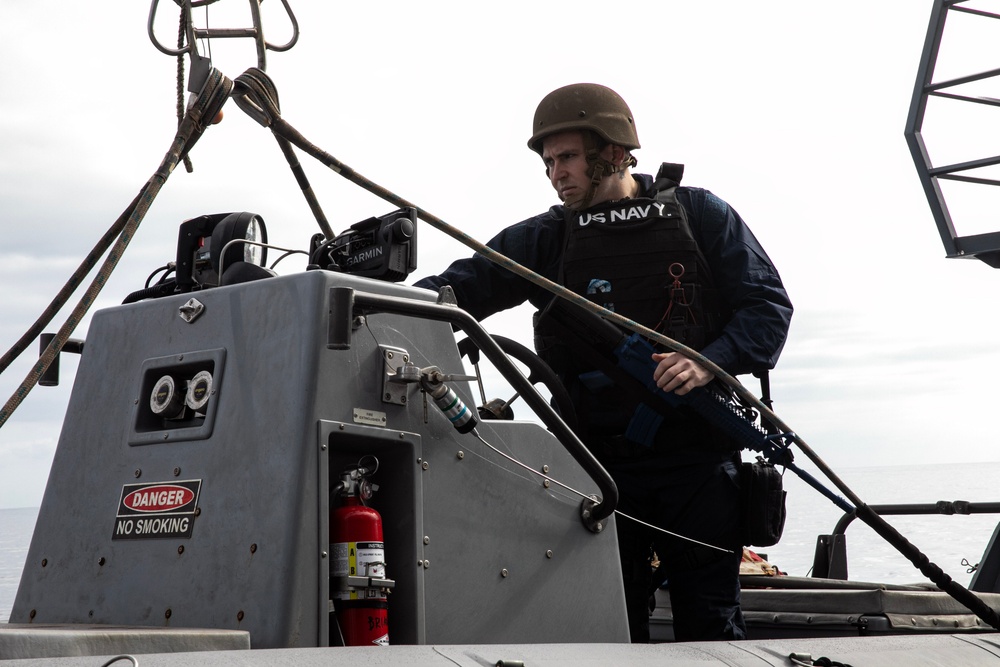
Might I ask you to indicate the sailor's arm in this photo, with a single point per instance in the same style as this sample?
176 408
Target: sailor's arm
761 311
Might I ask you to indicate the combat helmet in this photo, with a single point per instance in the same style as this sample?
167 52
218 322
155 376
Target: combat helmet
584 106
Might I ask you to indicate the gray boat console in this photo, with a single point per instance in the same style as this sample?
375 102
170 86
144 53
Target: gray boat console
215 513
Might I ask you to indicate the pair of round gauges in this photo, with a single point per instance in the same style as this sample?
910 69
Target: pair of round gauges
169 397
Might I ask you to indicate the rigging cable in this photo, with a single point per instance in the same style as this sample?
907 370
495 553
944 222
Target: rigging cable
70 286
256 94
269 116
204 108
181 31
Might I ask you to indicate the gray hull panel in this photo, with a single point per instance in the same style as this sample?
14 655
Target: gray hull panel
481 550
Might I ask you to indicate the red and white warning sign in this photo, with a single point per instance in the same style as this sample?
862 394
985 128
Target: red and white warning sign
157 509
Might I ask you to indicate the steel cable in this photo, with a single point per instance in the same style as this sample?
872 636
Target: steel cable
282 128
210 101
256 95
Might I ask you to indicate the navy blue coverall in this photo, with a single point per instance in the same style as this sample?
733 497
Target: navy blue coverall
687 482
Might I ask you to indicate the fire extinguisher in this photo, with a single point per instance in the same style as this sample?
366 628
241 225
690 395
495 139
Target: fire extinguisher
357 564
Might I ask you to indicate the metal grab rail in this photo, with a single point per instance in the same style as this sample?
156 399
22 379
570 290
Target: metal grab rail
831 554
255 32
345 300
986 246
943 507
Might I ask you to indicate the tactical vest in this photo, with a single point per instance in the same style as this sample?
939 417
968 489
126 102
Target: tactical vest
638 258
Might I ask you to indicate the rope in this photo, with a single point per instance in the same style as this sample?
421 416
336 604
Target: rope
281 127
268 115
211 99
257 96
130 658
68 288
181 29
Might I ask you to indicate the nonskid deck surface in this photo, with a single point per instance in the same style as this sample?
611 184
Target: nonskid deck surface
914 651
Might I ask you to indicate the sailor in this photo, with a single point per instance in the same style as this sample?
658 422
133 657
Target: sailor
678 260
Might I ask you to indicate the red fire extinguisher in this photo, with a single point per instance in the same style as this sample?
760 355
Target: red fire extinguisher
357 565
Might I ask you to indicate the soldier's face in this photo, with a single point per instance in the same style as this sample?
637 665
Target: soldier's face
566 166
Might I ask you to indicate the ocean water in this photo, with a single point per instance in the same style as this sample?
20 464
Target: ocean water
16 526
949 541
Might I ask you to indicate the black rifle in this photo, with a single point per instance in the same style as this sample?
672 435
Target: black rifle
629 361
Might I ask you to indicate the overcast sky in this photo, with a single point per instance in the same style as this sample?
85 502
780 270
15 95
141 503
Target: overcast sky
793 112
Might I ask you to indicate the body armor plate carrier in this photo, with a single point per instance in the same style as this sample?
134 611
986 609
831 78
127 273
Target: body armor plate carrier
638 258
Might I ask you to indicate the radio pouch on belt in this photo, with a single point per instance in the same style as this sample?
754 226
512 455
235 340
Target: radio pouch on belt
763 503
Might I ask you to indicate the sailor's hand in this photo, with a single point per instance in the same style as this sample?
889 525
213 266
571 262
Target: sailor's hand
679 374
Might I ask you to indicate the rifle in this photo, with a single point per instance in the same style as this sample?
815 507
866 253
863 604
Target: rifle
629 361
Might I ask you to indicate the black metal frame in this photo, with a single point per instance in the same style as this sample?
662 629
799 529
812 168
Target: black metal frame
985 247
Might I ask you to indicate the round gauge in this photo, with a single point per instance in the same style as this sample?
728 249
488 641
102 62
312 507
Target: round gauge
165 400
199 390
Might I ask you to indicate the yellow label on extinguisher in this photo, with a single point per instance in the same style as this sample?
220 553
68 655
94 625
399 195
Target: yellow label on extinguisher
357 559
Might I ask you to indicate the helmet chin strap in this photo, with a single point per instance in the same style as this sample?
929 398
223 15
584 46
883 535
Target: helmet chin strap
599 168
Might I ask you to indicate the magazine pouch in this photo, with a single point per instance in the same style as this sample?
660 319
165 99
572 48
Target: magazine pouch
763 503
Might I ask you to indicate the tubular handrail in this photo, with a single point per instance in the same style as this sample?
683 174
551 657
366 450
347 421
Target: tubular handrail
943 507
255 32
365 301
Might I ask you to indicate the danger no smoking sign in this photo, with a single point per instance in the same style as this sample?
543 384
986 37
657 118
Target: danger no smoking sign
156 510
